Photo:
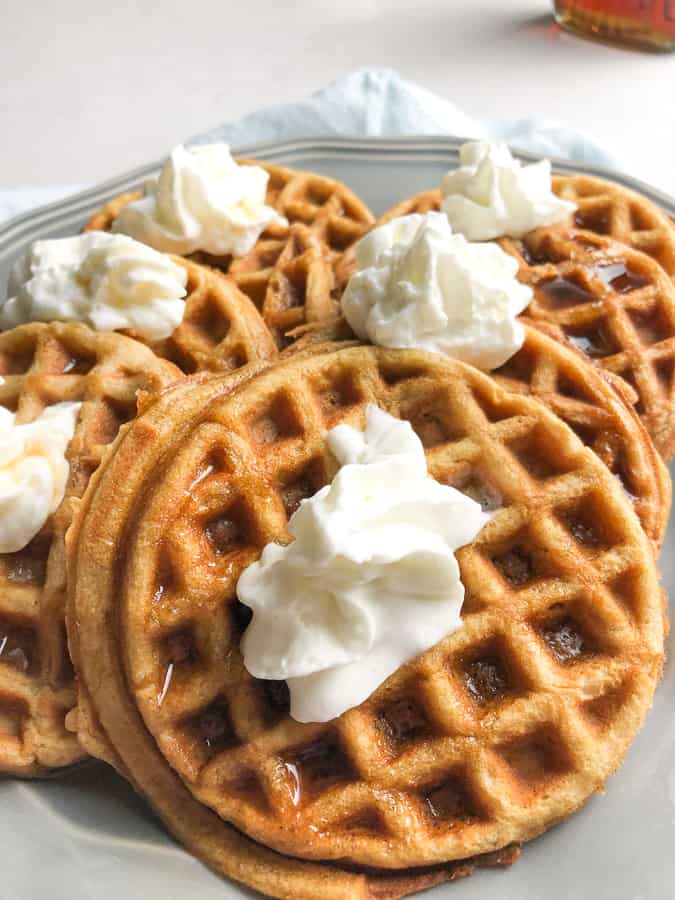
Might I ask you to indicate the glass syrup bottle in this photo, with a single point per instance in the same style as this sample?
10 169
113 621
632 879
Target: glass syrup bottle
649 24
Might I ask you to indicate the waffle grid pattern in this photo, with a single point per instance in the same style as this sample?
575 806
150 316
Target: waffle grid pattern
42 365
614 304
619 213
221 329
603 208
491 736
333 212
289 279
581 396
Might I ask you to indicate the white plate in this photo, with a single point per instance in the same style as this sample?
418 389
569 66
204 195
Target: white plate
86 836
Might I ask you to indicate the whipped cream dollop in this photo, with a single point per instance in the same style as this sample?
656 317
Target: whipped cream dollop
202 200
370 579
492 194
419 285
109 281
33 471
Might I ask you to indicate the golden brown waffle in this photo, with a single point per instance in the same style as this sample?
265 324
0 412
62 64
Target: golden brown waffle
223 847
221 329
596 406
610 209
614 304
42 365
496 733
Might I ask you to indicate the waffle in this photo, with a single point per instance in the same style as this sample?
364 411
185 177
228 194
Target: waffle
221 329
596 406
42 365
221 846
499 731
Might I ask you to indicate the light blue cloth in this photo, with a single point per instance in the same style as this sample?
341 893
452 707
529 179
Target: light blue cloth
368 102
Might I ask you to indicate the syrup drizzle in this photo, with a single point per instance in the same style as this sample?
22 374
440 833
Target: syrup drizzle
17 648
315 768
294 786
562 293
594 342
199 477
597 221
167 682
619 277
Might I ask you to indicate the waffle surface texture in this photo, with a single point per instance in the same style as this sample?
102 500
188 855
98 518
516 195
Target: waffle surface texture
221 329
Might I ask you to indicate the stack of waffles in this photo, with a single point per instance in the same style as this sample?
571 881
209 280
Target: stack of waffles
120 625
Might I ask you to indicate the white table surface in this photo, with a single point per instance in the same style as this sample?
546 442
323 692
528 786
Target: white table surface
88 90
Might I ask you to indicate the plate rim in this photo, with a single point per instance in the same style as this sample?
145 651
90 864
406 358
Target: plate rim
408 148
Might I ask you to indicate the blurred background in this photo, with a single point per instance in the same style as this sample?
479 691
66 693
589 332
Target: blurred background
88 90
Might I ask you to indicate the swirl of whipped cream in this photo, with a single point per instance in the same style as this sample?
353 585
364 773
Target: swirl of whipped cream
419 285
370 580
33 471
202 200
492 194
109 281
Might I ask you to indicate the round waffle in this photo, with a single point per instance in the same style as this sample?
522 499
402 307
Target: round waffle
220 845
496 733
289 272
42 365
